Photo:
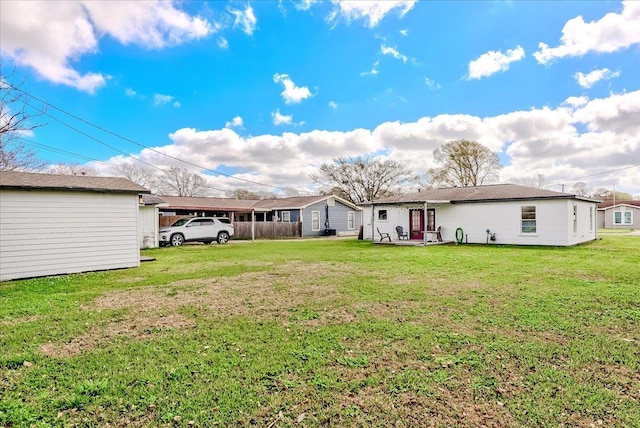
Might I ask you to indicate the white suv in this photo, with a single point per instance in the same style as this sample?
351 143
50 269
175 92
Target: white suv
199 229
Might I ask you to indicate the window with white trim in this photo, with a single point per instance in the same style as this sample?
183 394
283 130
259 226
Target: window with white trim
575 219
528 220
351 220
623 217
590 219
382 215
286 216
315 220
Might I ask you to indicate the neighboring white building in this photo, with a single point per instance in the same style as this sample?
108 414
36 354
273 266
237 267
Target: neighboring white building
148 225
60 224
498 214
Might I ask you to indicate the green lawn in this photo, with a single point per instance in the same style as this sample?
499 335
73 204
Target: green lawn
616 230
330 333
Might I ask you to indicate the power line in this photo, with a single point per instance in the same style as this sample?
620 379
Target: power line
92 137
64 152
127 139
594 175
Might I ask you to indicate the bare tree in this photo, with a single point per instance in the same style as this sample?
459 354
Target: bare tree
604 193
363 179
180 182
245 194
72 169
580 189
16 122
143 175
464 163
290 192
538 181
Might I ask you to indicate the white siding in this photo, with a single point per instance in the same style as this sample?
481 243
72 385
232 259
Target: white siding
57 232
554 221
148 226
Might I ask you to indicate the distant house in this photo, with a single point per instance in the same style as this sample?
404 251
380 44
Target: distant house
501 214
319 215
180 206
316 215
148 221
622 214
59 224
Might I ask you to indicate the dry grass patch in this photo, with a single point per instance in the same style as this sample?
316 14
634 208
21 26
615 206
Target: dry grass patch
263 295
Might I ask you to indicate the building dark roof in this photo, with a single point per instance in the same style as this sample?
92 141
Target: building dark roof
213 204
244 205
487 193
29 180
609 203
297 202
148 199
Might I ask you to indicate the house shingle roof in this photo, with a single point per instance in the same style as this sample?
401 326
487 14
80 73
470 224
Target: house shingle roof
494 192
294 202
195 203
609 203
229 204
149 199
29 180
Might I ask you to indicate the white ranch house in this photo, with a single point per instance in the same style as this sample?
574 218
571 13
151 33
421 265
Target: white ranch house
498 214
60 224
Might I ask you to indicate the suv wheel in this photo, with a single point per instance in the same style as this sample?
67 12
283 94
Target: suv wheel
223 238
177 240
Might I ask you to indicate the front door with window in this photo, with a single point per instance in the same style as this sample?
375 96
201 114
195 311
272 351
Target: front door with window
416 224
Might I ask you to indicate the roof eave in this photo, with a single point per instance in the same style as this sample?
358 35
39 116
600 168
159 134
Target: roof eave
75 189
428 201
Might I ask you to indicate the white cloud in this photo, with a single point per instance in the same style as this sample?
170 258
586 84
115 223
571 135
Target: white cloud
292 94
494 61
236 122
223 43
153 24
245 20
281 119
160 99
613 32
333 104
388 50
49 36
372 12
304 4
434 86
576 101
589 79
176 104
404 32
373 71
581 137
130 92
617 114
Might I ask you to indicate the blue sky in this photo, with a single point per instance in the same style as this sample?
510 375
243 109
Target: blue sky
267 91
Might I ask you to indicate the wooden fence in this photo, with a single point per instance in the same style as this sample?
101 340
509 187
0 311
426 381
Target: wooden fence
269 229
242 229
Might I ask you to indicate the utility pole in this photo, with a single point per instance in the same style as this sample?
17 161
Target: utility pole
614 207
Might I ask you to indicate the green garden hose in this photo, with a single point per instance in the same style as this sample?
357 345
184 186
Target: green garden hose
459 235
